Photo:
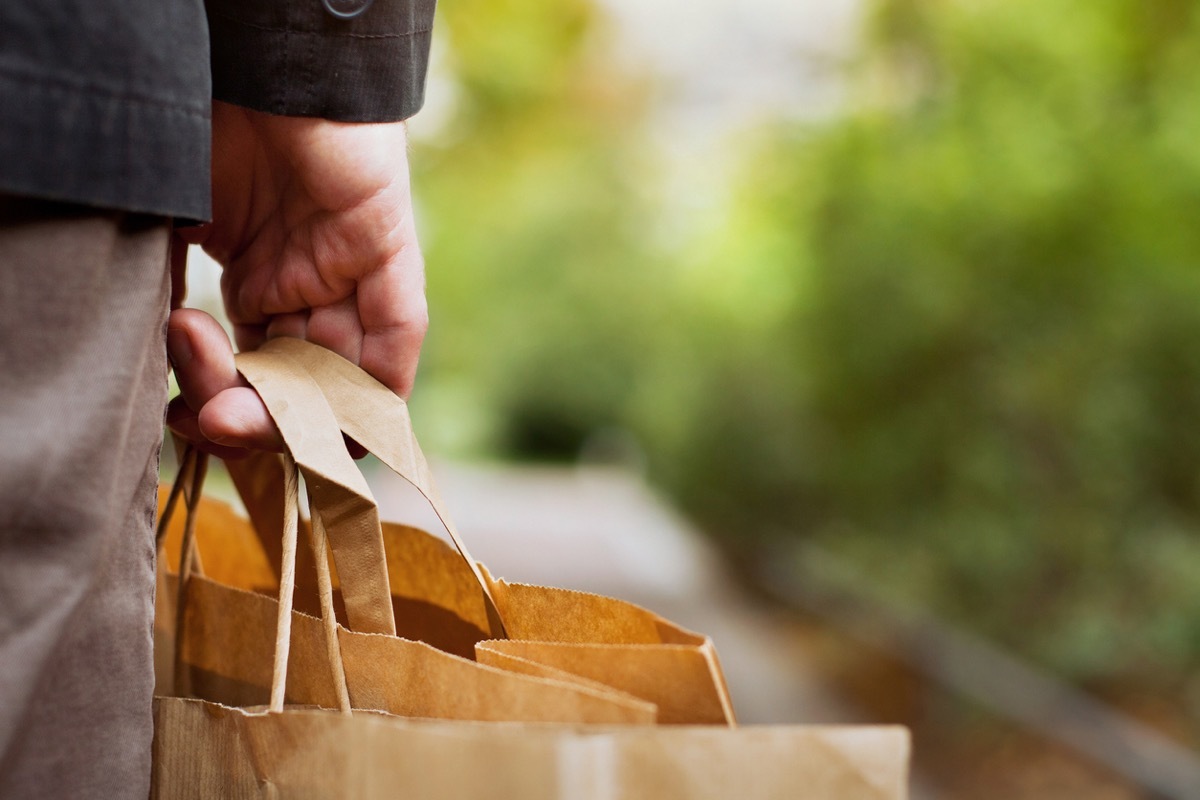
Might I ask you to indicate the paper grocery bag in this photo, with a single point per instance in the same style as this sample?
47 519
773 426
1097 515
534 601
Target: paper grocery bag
203 750
207 750
436 595
241 644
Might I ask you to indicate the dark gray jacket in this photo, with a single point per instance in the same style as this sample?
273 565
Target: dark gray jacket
107 102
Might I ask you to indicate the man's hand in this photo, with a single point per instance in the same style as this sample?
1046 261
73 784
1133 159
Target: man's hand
312 221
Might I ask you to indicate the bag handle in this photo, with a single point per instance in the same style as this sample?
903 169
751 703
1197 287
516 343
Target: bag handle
193 468
337 488
317 541
193 465
376 418
287 586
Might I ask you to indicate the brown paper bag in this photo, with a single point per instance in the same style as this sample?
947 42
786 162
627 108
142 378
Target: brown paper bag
233 647
206 750
598 640
203 750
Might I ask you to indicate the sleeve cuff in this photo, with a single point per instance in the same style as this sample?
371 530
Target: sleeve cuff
296 58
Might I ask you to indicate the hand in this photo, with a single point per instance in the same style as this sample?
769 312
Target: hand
312 222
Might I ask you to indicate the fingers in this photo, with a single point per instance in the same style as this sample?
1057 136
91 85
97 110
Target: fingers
380 326
335 327
201 355
237 417
218 406
216 409
394 317
294 325
185 423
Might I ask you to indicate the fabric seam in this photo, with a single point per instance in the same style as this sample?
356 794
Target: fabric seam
330 34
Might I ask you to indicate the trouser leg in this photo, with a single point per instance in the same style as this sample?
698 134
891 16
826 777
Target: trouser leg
83 385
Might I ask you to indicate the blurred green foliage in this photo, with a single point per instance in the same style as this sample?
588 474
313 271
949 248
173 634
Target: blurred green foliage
953 334
531 221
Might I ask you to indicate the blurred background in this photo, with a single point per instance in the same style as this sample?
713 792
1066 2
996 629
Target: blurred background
871 327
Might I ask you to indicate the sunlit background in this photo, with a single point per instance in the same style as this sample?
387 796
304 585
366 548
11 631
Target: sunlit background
896 304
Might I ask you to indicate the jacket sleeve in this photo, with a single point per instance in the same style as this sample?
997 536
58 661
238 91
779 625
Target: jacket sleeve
348 60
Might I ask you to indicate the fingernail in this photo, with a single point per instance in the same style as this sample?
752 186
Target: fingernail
179 347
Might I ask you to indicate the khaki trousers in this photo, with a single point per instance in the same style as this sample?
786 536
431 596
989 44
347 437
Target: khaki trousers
83 384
